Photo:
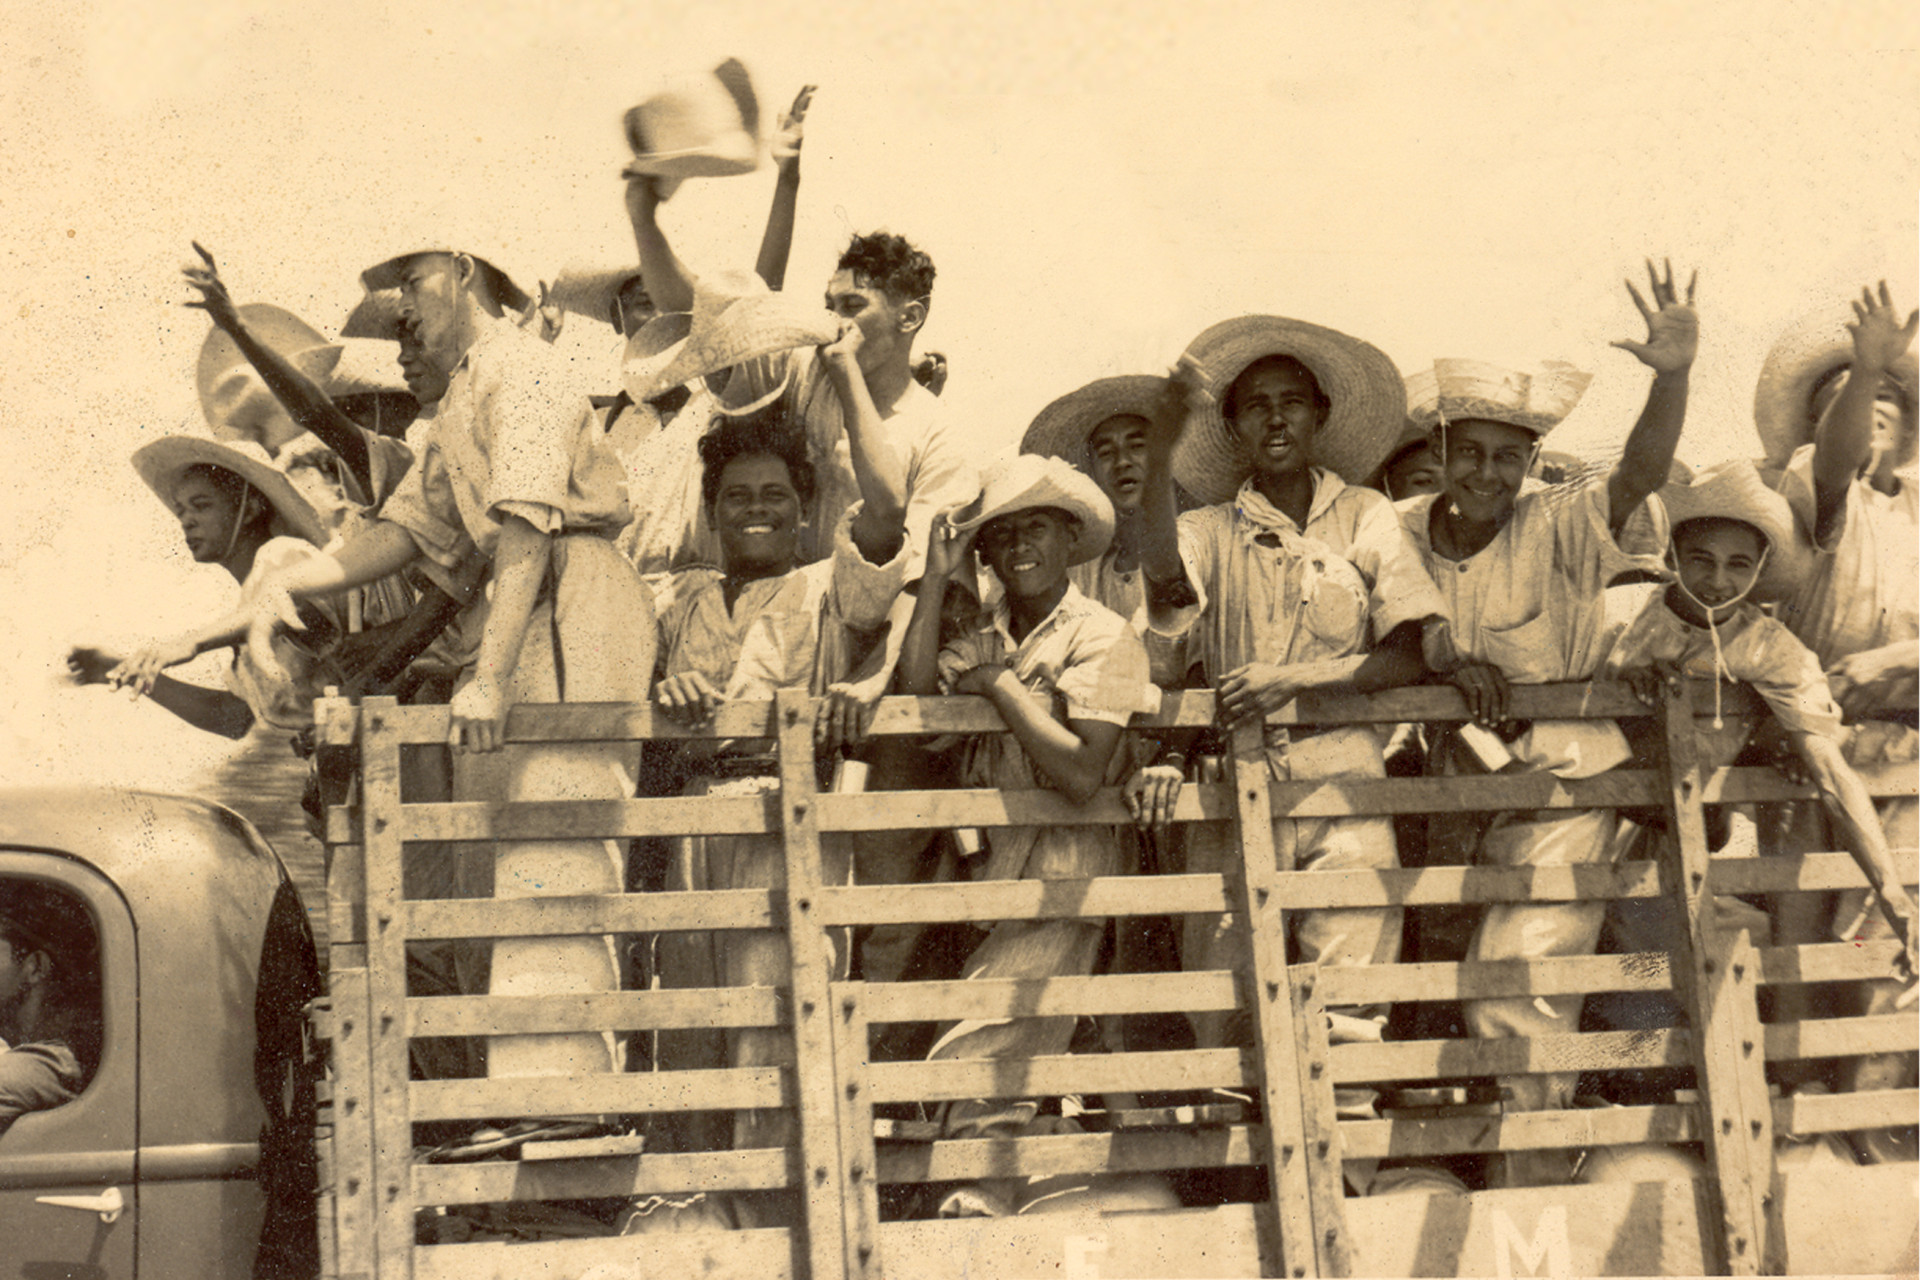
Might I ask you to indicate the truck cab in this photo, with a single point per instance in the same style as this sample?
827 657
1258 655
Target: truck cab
188 1152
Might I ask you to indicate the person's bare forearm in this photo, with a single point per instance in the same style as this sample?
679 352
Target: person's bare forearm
1850 804
212 710
878 467
309 406
920 648
520 561
668 282
1074 764
1648 455
776 243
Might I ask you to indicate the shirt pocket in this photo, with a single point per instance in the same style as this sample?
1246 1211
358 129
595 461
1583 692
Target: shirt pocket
1334 617
1527 652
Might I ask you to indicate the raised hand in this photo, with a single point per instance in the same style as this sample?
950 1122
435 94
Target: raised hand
1878 336
1178 394
844 350
791 131
1673 327
147 663
947 548
214 298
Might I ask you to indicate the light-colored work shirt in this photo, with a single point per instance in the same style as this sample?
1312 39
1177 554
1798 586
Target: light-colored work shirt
1532 602
1089 664
1755 649
1123 592
284 701
662 461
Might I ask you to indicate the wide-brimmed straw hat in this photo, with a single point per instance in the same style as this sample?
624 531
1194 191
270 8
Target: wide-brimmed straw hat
1062 428
591 291
1536 400
224 378
385 274
162 463
1812 348
736 319
650 352
376 315
1023 481
1734 491
1367 401
703 126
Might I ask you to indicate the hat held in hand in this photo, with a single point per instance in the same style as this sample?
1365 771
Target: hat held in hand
706 126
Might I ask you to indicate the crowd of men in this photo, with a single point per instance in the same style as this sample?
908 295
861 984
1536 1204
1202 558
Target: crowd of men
765 494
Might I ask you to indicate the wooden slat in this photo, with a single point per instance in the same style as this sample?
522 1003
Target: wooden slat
1841 1037
1045 997
1124 1152
589 913
350 1074
1495 979
1320 1126
1517 1131
1227 1240
346 893
998 807
1750 785
600 1092
857 1150
493 1181
609 1011
1261 920
588 722
1717 981
589 819
1350 797
763 1254
826 1193
1427 886
1810 1113
1519 1055
1807 872
990 900
1050 1076
1828 962
386 987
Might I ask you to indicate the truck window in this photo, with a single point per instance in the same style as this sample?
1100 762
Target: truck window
49 997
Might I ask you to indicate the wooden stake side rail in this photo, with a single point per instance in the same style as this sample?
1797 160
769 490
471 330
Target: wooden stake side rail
831 1089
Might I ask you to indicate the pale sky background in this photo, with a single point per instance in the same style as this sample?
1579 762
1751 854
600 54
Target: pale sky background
1095 187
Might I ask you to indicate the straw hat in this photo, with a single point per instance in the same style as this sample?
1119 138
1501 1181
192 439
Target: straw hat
1734 491
1023 481
1813 346
385 274
1062 428
705 126
162 463
1535 400
735 319
1368 401
591 291
226 381
650 351
376 315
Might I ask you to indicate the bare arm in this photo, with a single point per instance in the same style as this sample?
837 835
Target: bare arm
1673 338
1259 688
878 466
214 710
1074 756
308 405
1843 440
777 241
519 564
920 648
1850 805
1160 561
668 282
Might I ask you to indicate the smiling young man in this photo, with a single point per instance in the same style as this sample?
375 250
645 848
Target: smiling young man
1034 519
1280 586
1849 385
1523 576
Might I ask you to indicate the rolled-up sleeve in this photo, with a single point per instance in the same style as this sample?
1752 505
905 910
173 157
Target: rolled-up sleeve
423 504
530 428
863 591
1399 588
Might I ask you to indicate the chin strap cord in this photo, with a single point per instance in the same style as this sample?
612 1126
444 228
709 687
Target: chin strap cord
1720 671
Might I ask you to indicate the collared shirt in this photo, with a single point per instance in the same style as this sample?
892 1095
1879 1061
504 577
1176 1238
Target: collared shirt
1532 602
792 631
1263 595
1864 588
514 435
1755 649
1123 592
1089 664
940 463
1361 525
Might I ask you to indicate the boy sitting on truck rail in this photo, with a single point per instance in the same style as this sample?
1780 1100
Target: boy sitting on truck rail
1523 576
1732 541
1034 519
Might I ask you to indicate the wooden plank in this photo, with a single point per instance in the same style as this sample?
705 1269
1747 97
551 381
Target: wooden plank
1827 962
608 1011
386 989
1350 797
1805 873
1045 997
590 913
1324 1150
1717 981
1749 785
1269 998
826 1191
857 1149
721 1089
763 1254
589 819
655 1173
1136 1151
1518 1131
1495 979
1175 1244
1427 886
1517 1055
346 894
589 722
1005 807
350 1075
990 900
1810 1113
1840 1037
1052 1075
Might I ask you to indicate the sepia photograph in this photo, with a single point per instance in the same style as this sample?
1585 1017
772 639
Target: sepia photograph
1200 640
